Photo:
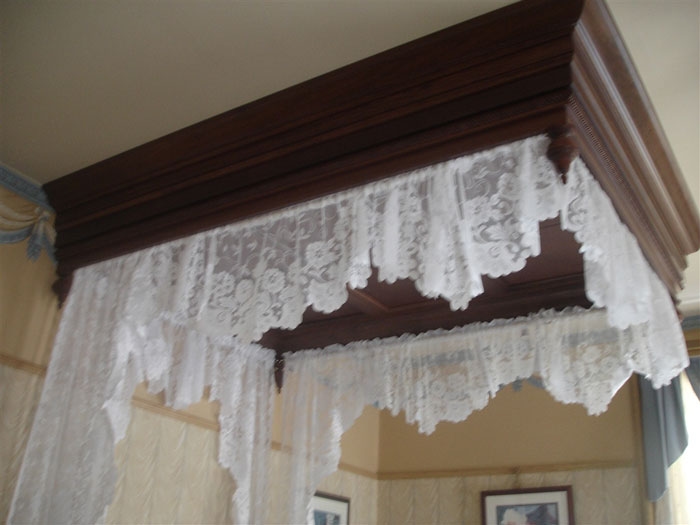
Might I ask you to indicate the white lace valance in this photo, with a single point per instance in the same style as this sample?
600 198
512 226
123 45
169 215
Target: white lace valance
99 356
184 315
444 227
445 375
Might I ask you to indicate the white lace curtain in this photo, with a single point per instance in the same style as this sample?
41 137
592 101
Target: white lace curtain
445 376
185 314
68 473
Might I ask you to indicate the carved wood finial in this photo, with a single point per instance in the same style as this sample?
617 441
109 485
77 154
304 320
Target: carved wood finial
562 148
279 371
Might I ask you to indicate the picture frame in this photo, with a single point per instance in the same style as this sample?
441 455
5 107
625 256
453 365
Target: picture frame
535 506
330 509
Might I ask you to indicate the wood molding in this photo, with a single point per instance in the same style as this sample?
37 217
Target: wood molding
22 364
623 143
532 67
493 79
429 314
496 471
692 341
159 408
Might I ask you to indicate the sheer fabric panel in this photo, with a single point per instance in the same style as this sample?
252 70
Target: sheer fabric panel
102 352
445 376
443 226
19 397
67 475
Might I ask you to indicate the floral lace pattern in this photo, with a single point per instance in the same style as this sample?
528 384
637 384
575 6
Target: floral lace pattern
443 227
101 353
445 376
184 315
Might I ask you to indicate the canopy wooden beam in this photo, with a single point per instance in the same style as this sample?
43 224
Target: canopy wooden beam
537 66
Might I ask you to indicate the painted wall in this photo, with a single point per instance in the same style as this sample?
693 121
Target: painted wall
28 307
521 439
168 473
19 396
601 496
28 318
516 429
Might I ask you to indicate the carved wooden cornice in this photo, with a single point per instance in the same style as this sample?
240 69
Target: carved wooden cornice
533 67
622 142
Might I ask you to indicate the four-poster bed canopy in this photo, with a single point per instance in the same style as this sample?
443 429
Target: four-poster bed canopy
504 166
530 68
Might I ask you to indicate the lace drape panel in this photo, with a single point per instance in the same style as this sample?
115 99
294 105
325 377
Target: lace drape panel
183 315
67 474
102 351
444 227
445 376
619 278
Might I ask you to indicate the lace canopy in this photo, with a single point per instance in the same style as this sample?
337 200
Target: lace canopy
186 315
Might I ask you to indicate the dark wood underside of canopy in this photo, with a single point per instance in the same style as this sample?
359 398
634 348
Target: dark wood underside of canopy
554 279
537 66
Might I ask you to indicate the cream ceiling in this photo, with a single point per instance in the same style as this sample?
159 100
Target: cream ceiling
82 80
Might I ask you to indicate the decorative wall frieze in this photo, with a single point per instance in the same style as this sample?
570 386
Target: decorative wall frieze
25 213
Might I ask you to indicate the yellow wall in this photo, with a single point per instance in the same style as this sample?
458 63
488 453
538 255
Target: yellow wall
359 446
601 496
169 473
516 429
28 318
28 307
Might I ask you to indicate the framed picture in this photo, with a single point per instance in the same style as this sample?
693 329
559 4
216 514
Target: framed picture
536 506
330 509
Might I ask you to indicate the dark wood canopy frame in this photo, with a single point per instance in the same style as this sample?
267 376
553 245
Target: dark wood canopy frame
537 66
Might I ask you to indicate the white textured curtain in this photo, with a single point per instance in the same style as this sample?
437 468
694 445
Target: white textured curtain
101 353
184 314
445 376
444 227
